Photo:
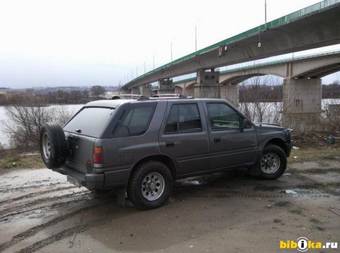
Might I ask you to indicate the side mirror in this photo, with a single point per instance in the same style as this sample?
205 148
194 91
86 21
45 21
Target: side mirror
245 123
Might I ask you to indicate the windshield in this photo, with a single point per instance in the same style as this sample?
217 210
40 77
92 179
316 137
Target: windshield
90 121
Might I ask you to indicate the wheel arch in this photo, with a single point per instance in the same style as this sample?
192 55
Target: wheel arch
160 158
278 142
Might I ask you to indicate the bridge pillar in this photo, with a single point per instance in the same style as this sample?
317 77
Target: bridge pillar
188 89
166 87
230 92
207 85
145 90
302 104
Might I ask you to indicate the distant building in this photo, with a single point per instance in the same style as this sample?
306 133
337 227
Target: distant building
4 90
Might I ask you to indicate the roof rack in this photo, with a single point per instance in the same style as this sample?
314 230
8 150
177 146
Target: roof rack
153 97
165 97
126 96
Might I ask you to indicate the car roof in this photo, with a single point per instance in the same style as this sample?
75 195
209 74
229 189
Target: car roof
114 103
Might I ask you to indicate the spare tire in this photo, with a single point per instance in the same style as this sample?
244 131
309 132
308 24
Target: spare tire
53 146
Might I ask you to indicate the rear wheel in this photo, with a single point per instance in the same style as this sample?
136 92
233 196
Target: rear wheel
150 185
272 163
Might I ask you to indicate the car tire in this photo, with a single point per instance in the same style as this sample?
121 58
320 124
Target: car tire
53 146
272 163
150 185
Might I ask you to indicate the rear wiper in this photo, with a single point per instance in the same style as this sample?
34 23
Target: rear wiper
78 131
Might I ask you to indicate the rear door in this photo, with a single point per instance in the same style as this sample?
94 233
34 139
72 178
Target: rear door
230 145
184 137
82 131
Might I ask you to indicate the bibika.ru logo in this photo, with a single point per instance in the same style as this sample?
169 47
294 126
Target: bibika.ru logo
302 244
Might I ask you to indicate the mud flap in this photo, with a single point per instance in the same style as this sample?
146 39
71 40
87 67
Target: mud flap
74 181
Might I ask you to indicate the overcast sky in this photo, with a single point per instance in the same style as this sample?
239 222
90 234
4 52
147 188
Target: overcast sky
80 42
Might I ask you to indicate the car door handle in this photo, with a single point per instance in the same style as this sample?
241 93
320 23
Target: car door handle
217 140
169 144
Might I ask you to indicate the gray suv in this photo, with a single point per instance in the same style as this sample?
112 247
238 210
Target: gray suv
144 145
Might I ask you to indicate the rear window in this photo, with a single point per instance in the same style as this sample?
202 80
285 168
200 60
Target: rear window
90 121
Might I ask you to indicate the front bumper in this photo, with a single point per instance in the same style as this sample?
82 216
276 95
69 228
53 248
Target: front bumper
289 148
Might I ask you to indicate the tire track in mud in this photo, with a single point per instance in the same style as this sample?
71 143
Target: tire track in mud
33 194
34 230
56 237
53 206
32 186
61 235
24 207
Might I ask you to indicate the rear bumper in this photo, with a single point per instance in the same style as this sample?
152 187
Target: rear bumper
104 180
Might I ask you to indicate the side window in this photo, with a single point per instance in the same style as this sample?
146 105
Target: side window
183 118
134 121
222 116
172 122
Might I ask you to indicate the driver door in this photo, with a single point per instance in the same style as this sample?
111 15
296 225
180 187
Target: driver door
231 144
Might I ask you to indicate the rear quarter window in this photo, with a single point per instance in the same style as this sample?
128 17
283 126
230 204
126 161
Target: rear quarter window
135 121
90 121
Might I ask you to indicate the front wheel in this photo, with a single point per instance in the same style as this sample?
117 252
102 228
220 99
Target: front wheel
272 163
150 185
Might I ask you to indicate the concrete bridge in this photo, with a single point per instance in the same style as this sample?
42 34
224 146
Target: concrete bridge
312 27
301 87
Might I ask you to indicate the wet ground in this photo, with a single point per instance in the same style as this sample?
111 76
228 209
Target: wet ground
41 212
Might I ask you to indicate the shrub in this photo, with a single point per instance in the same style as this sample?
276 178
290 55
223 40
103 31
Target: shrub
26 120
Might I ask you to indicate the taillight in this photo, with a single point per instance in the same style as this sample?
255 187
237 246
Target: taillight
98 156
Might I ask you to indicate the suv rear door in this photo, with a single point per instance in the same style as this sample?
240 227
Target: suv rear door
184 137
230 145
82 131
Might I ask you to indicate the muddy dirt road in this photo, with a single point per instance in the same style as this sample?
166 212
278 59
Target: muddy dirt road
41 212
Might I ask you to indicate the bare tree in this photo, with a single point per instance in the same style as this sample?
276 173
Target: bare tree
262 105
26 120
330 117
97 90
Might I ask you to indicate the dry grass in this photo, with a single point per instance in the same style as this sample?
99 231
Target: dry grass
12 159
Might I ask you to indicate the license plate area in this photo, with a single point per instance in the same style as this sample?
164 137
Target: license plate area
73 146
